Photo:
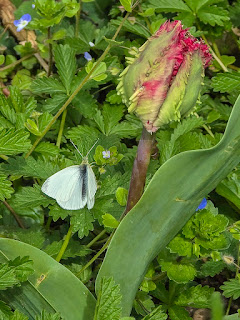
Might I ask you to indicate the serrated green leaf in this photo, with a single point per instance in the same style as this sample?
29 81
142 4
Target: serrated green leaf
231 288
211 268
181 246
109 301
44 120
55 102
73 249
15 271
167 147
17 315
216 243
209 225
29 167
195 297
5 311
31 197
66 64
33 236
213 15
47 149
13 142
126 129
5 187
22 79
226 82
58 213
179 272
170 5
60 34
178 313
127 5
48 316
47 86
82 222
156 314
133 28
86 104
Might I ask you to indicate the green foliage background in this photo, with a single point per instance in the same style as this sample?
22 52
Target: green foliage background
184 275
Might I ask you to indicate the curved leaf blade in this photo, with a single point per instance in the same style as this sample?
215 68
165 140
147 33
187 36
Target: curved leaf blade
56 287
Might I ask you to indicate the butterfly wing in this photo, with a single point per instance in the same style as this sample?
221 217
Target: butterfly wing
92 187
78 198
62 184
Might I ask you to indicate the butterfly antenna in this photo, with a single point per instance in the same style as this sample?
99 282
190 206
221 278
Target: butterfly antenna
76 148
92 147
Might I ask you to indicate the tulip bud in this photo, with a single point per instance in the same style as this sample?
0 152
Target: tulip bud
163 82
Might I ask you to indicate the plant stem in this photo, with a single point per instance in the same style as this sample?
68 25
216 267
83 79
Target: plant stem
4 31
215 47
78 18
11 65
96 255
19 221
96 238
65 244
50 53
139 171
49 220
59 138
214 55
237 271
69 100
41 61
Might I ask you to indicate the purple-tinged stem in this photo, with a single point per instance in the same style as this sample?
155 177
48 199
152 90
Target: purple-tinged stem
140 167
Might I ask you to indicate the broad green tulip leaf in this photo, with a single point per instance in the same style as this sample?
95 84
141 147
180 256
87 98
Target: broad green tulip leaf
52 286
168 202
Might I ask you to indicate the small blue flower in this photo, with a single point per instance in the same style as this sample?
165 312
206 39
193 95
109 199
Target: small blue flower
106 154
202 204
22 22
87 56
91 44
33 6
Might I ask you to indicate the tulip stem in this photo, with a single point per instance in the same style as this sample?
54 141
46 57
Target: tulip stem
140 167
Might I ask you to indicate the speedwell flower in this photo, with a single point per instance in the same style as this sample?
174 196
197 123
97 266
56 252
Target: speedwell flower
202 204
106 154
22 22
87 56
163 82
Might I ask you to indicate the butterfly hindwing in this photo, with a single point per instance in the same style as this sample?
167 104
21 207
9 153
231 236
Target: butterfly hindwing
92 187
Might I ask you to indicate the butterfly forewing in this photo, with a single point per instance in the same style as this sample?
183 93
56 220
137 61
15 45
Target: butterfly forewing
62 184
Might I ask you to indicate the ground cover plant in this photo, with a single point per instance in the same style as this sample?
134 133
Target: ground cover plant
131 85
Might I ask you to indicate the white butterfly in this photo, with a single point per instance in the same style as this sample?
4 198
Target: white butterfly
73 187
